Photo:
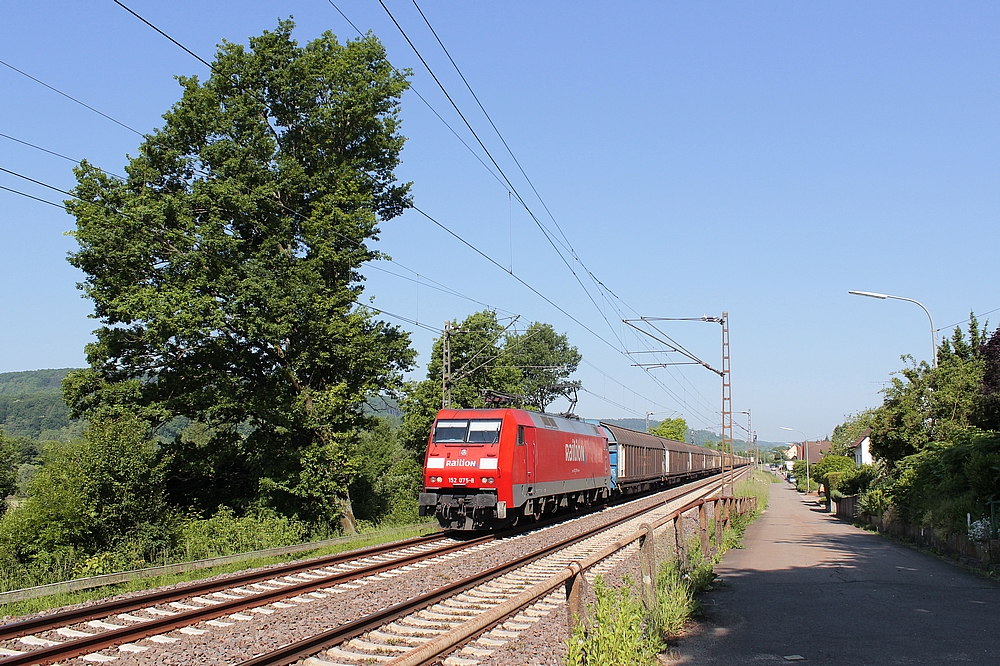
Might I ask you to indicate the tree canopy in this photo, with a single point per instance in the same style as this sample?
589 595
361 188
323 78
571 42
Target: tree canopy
531 367
675 429
224 270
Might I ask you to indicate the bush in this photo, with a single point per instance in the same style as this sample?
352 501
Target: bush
226 534
615 633
96 494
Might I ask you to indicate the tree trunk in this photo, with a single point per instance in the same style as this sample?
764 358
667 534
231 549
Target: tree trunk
348 524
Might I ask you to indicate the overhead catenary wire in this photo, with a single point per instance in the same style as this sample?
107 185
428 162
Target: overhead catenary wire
601 286
548 236
30 196
52 152
568 244
70 97
619 349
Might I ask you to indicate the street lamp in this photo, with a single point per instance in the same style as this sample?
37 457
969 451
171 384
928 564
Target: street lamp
872 294
805 446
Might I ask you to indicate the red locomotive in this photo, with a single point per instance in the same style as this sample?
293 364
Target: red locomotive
487 467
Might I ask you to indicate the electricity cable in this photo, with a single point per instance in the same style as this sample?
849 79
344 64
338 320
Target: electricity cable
52 152
25 194
520 199
70 97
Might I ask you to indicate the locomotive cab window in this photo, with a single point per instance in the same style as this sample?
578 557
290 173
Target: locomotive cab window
520 435
453 431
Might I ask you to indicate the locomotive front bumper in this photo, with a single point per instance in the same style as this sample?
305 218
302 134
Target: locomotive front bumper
467 503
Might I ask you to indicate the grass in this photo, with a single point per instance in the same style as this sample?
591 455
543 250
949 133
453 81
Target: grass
18 608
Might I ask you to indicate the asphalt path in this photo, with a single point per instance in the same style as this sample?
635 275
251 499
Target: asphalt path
808 588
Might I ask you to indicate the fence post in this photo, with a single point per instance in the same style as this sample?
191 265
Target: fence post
576 597
647 567
679 539
718 525
703 528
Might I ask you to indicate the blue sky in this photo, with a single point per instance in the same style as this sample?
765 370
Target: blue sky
758 158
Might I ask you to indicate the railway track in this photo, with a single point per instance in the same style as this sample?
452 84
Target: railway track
154 614
389 634
164 616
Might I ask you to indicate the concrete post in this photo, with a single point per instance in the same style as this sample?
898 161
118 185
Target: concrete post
647 567
717 514
703 528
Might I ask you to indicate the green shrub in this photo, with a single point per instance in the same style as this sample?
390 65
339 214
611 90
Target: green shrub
226 534
615 631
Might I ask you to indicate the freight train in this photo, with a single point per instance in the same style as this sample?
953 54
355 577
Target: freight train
490 468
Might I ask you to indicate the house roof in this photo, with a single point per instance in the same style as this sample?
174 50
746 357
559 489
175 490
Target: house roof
864 435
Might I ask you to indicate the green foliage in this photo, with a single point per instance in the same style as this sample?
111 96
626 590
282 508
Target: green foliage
226 534
848 432
675 429
31 382
389 478
8 470
224 270
484 358
988 411
924 404
545 360
97 493
853 482
830 465
614 633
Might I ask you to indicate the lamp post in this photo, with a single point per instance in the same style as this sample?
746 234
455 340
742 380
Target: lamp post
750 442
872 294
805 446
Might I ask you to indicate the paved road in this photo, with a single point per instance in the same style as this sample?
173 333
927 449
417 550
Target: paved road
807 584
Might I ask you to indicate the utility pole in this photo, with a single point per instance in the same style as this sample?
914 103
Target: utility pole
727 402
727 393
446 366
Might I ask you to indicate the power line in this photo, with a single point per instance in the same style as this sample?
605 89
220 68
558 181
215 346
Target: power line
38 182
553 304
512 188
428 104
541 227
189 51
495 129
569 245
70 97
959 323
25 194
52 152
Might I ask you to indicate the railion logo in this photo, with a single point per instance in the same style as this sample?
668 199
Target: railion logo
576 452
459 463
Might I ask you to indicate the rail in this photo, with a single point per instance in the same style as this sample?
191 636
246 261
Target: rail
572 577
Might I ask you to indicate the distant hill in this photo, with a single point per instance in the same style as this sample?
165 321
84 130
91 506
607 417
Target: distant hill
32 382
31 405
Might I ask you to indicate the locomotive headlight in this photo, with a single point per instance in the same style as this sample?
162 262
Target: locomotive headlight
491 479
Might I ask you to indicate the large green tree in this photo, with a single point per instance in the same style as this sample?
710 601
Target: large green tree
224 270
530 367
546 360
675 429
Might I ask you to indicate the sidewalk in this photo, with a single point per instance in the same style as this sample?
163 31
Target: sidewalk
810 585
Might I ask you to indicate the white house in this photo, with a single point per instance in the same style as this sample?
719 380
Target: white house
862 449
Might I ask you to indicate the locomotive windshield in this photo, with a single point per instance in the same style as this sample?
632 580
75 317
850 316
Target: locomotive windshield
451 431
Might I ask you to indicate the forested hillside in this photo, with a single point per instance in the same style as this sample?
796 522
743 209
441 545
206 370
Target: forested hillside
31 405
